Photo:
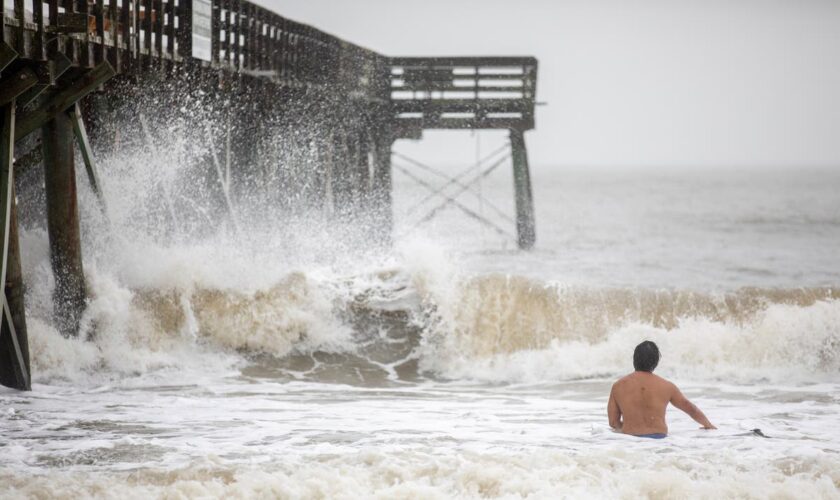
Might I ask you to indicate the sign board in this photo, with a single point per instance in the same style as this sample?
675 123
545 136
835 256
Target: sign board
202 11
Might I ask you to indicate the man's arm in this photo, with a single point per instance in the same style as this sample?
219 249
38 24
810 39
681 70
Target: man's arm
681 402
613 411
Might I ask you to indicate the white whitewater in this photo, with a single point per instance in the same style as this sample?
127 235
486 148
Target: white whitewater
279 363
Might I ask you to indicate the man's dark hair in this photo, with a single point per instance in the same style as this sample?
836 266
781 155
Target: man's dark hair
646 357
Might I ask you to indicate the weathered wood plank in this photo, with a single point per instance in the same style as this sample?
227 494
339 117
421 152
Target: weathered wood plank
14 350
147 28
7 156
87 153
56 67
216 26
15 85
100 53
63 99
20 16
72 22
63 223
38 43
7 55
14 347
158 16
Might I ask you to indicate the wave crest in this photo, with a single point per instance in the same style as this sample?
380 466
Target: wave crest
511 329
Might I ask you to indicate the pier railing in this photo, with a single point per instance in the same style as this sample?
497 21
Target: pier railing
147 35
463 92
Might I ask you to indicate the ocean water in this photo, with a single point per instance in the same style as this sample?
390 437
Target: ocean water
282 360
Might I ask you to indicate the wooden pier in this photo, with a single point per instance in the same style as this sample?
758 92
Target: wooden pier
62 59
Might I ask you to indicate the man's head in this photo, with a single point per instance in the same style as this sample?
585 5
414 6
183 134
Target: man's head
646 357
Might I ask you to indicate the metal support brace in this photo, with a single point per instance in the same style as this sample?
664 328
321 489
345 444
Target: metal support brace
450 200
456 180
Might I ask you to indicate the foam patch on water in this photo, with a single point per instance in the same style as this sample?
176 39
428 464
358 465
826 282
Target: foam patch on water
376 474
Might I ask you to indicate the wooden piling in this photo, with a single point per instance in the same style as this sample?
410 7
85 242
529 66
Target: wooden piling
63 223
381 186
362 176
525 227
14 346
342 187
14 355
320 179
351 173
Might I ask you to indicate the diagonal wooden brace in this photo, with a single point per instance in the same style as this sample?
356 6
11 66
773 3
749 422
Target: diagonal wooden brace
450 199
62 100
471 213
7 55
55 67
16 375
87 154
17 84
7 154
7 324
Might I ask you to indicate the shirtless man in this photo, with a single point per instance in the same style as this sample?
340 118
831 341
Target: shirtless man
638 401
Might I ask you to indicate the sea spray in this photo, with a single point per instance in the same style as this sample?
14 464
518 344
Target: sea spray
322 369
437 317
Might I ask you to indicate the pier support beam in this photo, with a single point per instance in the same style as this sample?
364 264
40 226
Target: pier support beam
362 174
350 166
525 226
382 186
14 352
63 223
14 346
80 131
341 179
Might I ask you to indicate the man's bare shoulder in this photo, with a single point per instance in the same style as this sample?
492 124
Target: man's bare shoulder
626 381
665 387
623 380
635 377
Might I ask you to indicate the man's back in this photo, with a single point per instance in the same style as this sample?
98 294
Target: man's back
638 401
642 398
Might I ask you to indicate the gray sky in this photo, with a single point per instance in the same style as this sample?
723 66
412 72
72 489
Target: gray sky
643 82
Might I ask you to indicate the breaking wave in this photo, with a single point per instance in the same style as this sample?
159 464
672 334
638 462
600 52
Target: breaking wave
512 329
419 317
301 295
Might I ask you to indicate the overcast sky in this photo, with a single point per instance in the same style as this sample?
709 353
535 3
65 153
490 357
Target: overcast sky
643 82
